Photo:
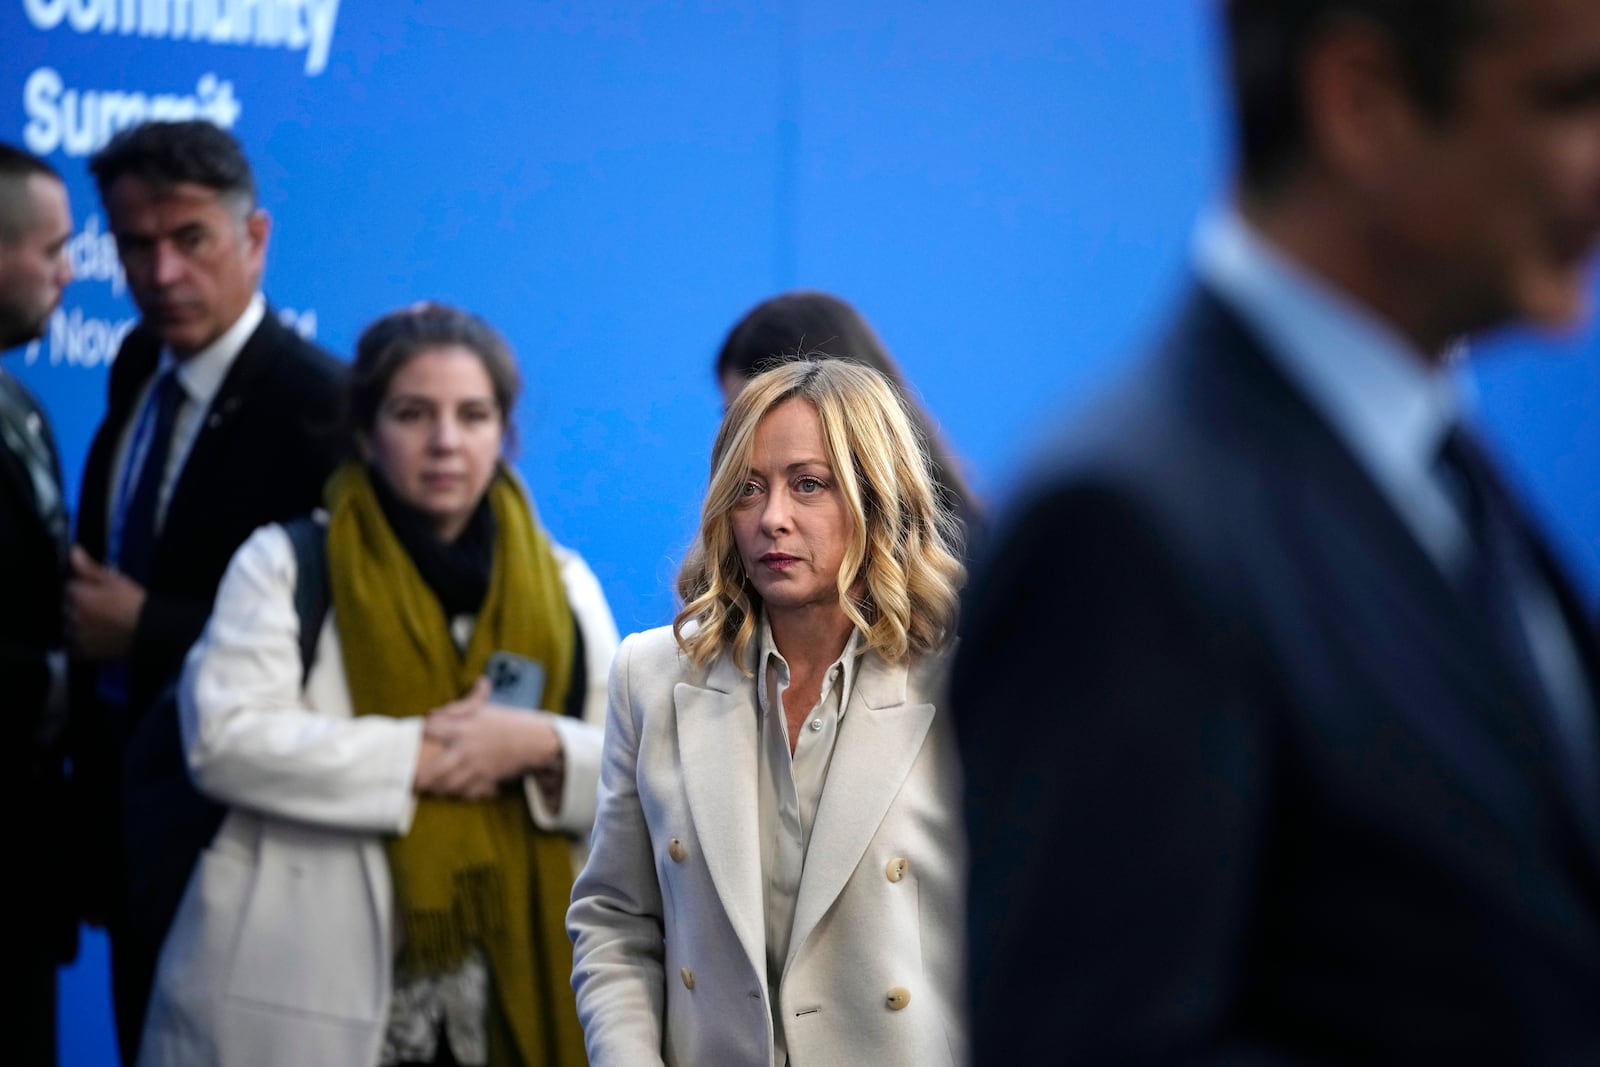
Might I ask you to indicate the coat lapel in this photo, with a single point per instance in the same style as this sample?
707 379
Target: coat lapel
718 749
879 739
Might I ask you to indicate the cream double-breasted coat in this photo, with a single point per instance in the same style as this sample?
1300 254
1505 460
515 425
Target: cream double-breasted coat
667 916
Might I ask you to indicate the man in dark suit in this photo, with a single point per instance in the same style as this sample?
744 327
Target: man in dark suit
220 419
1278 715
35 223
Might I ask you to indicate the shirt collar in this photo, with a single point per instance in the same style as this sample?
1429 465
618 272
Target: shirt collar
202 374
842 672
1389 406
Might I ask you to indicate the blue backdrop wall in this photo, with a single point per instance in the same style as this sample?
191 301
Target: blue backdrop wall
1007 194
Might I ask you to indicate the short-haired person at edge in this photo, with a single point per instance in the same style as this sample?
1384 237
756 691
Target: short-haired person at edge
390 882
35 226
776 866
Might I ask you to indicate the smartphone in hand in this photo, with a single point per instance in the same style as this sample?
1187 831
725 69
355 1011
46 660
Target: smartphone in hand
515 681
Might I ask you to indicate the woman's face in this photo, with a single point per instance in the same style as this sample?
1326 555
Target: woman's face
437 435
791 523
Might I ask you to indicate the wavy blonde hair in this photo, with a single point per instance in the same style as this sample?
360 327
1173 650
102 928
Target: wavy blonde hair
904 557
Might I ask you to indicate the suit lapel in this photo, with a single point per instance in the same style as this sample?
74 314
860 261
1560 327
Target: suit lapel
1407 595
134 365
31 460
205 467
13 469
718 749
880 737
1580 632
1374 568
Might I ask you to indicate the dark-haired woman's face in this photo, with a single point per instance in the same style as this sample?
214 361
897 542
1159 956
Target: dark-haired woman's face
438 434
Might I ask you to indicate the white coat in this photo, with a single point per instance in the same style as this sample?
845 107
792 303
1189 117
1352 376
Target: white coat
282 950
667 916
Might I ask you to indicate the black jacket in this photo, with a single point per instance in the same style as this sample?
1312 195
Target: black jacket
1247 780
33 778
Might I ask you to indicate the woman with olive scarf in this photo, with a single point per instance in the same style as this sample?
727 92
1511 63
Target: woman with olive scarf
390 884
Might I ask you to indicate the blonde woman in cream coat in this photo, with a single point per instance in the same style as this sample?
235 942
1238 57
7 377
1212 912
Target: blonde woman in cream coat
775 870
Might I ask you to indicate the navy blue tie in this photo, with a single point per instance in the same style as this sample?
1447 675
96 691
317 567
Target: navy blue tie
137 546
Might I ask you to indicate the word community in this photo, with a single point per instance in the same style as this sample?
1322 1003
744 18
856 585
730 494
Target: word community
296 25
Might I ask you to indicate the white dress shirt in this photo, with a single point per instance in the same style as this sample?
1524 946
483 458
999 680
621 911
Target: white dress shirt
1388 405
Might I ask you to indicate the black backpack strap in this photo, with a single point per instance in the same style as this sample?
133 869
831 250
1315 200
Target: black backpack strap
578 686
308 536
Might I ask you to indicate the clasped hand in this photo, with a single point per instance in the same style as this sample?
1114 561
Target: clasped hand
102 609
470 746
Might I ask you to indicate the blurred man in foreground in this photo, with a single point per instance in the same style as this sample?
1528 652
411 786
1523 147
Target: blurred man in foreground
1279 715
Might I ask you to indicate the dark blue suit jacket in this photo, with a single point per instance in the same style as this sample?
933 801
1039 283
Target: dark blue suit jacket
1247 780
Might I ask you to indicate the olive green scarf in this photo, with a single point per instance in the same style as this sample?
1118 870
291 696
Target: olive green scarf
468 872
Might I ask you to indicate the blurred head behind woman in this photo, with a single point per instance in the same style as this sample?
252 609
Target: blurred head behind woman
861 515
805 324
